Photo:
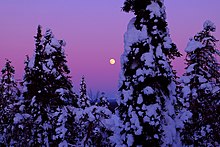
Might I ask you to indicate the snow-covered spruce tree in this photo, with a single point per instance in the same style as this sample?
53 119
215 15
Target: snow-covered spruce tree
60 89
147 86
59 84
46 87
20 127
36 101
9 90
201 90
32 127
9 93
83 100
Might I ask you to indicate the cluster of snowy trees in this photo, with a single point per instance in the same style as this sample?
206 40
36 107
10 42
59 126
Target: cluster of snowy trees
155 107
44 110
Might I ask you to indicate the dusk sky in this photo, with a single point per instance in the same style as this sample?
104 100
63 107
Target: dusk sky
93 31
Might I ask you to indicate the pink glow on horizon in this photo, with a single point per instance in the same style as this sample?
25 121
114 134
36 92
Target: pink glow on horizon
94 32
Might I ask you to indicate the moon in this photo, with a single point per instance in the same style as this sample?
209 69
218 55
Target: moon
112 61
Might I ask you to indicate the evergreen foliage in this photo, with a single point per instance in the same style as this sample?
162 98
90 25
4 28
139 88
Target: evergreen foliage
46 87
96 125
103 101
147 82
9 92
45 111
83 100
201 90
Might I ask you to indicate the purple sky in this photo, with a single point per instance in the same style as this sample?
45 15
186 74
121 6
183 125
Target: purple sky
93 31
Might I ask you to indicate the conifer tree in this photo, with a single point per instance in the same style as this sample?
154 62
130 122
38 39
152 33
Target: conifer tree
9 89
9 93
46 88
83 100
59 85
35 95
147 85
201 90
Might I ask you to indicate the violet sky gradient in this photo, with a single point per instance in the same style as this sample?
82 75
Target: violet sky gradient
93 31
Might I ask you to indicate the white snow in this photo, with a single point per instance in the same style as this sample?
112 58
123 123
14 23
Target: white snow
167 43
151 110
186 91
50 63
59 77
141 79
18 117
156 136
63 144
46 69
148 58
127 95
139 72
183 117
202 79
148 90
140 99
132 36
207 87
193 45
49 49
31 62
48 32
191 68
185 79
155 9
39 119
159 52
55 43
215 89
169 131
130 139
21 108
33 100
209 25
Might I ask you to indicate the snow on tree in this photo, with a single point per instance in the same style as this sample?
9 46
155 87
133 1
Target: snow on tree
200 90
96 125
68 127
103 101
8 94
83 100
9 90
46 86
147 86
92 126
59 85
33 101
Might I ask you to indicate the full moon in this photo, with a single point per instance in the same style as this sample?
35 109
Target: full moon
112 61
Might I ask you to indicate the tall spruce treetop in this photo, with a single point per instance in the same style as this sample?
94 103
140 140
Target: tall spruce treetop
47 87
33 77
201 90
58 86
9 93
83 100
46 72
9 89
147 87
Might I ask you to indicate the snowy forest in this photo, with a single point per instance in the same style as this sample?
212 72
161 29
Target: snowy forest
155 107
